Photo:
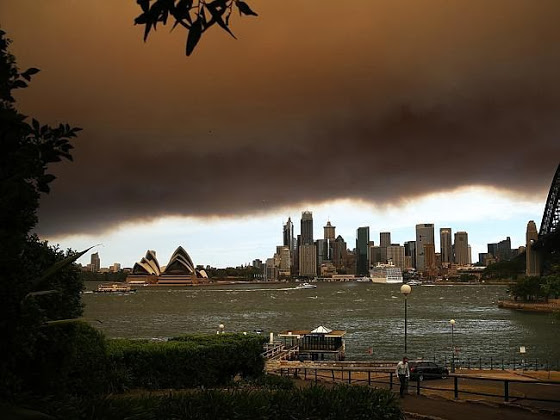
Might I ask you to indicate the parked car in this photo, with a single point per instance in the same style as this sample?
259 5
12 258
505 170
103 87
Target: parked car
426 370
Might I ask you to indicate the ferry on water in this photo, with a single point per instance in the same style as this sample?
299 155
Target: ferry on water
386 273
114 288
306 286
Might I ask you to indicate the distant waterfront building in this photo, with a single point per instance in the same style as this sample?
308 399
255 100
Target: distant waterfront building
362 245
307 228
410 251
395 255
429 257
339 252
424 236
321 247
329 232
180 269
271 270
95 262
446 248
384 239
258 264
115 268
375 256
493 249
532 257
504 250
288 234
307 260
461 248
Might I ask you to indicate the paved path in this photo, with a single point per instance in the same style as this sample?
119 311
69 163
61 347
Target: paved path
420 407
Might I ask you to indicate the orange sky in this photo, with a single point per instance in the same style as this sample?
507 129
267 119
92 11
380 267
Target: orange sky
316 100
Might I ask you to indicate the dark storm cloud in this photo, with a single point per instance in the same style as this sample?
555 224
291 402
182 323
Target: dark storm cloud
386 102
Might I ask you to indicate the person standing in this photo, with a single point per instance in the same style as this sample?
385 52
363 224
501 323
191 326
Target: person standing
403 372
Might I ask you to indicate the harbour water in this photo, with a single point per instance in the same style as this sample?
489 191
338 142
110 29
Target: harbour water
372 315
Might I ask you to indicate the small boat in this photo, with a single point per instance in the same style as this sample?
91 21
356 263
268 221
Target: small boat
414 283
115 288
306 286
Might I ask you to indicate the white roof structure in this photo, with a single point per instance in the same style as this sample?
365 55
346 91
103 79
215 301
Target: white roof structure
321 330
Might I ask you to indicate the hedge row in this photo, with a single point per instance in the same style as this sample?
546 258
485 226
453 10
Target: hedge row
75 358
186 361
339 402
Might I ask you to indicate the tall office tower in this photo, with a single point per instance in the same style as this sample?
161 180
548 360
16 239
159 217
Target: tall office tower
308 260
385 239
532 256
95 262
339 251
374 255
288 234
469 259
362 245
283 260
504 250
321 247
493 249
307 228
461 248
410 251
395 254
429 257
446 248
424 236
329 232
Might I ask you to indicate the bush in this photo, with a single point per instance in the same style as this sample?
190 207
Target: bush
340 402
70 358
185 362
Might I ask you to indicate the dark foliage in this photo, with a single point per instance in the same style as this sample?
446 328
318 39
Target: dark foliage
185 362
28 149
504 270
340 402
196 16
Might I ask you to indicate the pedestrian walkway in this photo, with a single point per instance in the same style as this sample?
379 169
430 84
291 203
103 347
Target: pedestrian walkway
422 407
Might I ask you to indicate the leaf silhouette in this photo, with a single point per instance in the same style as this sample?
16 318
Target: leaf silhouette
245 9
194 36
217 9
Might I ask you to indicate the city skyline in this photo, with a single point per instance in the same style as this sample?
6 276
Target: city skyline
214 151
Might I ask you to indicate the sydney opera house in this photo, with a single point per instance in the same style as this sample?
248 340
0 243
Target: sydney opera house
180 270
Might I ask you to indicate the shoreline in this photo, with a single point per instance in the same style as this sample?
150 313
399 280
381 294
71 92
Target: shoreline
529 306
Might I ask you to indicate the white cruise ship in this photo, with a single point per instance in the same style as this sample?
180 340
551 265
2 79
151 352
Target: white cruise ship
386 273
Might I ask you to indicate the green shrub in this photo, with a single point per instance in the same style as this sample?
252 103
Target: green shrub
70 358
184 362
340 402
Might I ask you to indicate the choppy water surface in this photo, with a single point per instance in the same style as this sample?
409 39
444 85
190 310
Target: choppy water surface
372 315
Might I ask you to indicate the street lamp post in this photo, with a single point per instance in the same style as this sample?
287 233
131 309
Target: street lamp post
452 322
405 290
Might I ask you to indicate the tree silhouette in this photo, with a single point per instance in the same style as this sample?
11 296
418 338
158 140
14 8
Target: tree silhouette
196 16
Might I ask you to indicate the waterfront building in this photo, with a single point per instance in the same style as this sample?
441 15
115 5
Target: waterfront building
283 261
384 239
493 249
362 245
429 258
321 247
461 248
258 264
424 236
271 270
307 260
95 262
375 256
329 232
504 250
288 234
395 255
180 270
339 252
307 228
532 257
410 251
446 248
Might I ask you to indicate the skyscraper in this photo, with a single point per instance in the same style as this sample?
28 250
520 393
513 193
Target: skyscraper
307 228
395 254
329 232
424 236
532 256
95 262
446 247
410 251
288 234
461 248
362 246
385 239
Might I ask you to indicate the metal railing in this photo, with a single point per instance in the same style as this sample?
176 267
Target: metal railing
462 384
